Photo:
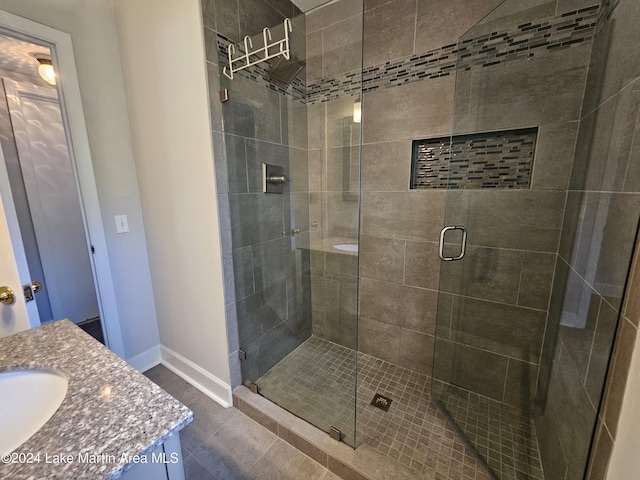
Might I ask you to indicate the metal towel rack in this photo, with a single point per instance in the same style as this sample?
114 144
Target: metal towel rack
263 53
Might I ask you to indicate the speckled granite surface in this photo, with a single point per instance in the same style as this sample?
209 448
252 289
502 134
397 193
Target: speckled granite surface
111 412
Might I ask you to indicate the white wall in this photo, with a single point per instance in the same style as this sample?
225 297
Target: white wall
624 457
163 63
91 25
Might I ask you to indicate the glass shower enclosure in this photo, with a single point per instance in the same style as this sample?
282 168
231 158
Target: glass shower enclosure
292 166
537 226
535 250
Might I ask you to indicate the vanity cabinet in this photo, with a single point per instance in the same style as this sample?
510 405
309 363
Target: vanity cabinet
163 463
107 404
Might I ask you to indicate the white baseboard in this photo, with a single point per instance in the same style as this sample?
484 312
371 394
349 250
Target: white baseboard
209 384
146 360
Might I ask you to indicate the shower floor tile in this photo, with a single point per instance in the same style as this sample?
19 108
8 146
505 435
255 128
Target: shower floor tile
317 382
503 436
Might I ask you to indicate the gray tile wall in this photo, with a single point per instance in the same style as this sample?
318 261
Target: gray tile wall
507 42
334 293
266 274
514 236
596 248
334 46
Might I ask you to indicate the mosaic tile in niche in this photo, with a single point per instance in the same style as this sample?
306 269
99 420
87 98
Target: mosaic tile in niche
480 160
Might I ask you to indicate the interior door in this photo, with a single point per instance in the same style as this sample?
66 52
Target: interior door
60 249
61 50
14 271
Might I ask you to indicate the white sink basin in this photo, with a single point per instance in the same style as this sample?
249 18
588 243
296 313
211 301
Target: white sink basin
28 398
346 247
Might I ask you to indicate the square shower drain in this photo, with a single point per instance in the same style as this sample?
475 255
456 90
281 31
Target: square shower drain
381 402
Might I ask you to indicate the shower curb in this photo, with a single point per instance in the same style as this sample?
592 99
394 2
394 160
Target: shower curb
362 463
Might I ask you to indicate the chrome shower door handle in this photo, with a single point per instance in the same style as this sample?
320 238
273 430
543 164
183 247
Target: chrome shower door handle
463 246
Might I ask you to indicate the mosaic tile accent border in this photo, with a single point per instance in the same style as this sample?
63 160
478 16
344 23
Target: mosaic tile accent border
525 41
480 160
560 32
327 89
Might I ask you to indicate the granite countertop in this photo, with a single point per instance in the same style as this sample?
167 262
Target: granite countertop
110 410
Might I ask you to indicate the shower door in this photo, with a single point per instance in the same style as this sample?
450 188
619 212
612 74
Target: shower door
292 259
495 281
539 234
503 220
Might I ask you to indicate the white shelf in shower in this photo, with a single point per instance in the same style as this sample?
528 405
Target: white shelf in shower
252 56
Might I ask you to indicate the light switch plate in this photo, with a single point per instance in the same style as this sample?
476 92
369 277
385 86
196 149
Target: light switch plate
122 224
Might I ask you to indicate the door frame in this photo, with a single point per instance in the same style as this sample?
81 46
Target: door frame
78 144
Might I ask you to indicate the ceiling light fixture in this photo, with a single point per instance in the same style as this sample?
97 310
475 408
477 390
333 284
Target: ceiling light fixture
46 71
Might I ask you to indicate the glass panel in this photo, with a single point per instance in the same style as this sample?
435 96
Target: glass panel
526 319
295 253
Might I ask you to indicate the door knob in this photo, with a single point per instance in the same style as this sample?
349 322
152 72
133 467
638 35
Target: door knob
6 296
31 288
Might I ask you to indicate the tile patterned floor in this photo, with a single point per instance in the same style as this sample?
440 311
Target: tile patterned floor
317 382
503 436
318 377
224 444
93 328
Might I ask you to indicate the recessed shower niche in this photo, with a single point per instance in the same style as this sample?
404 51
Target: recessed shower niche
479 160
